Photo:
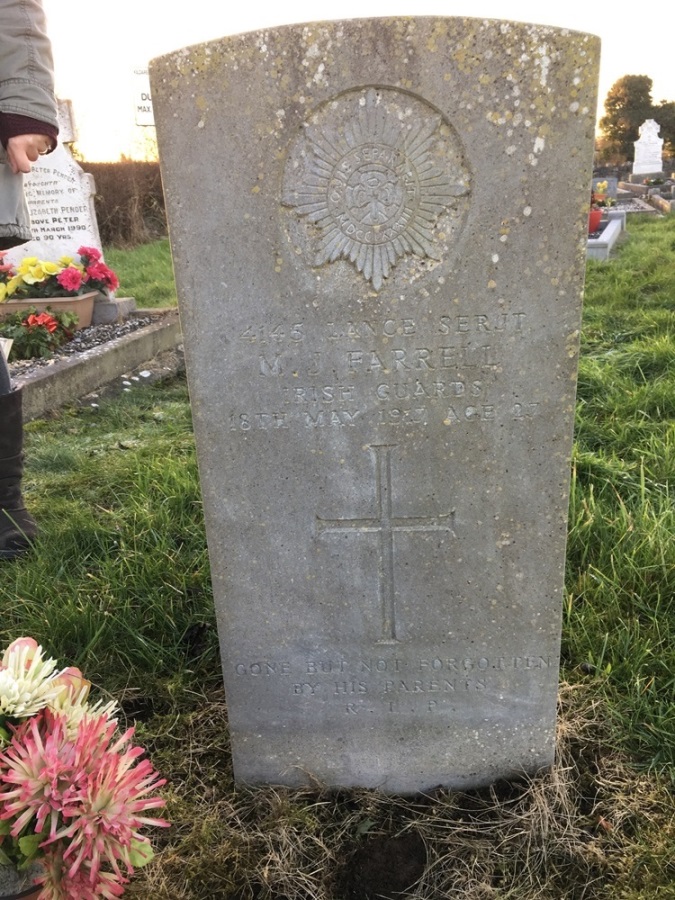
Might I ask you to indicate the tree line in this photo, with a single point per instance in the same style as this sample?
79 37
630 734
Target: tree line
629 102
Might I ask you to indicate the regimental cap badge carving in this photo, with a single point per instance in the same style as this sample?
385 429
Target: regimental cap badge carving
372 175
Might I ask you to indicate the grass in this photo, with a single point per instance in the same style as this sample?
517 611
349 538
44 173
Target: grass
145 272
621 557
119 585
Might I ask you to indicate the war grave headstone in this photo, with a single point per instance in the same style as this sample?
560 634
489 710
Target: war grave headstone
378 230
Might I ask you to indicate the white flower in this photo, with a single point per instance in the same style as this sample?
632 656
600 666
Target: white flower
9 691
26 679
71 701
29 683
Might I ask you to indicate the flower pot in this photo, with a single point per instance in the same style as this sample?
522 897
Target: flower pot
15 886
82 306
594 217
29 893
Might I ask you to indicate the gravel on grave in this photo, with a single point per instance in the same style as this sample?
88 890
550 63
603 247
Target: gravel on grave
85 339
634 204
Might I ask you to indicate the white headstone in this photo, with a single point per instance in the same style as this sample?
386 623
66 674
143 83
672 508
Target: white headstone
67 128
60 198
648 149
142 97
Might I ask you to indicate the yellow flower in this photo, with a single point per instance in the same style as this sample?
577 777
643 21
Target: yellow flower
13 284
51 268
66 261
35 273
3 292
26 265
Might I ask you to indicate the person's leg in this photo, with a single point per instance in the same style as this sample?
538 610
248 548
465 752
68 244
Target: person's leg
17 527
5 380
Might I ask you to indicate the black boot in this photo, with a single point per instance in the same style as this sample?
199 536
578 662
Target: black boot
17 528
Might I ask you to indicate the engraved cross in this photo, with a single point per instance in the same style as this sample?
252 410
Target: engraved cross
385 524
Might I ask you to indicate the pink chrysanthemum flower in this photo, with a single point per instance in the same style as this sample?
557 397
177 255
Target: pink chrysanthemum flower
92 793
36 773
66 778
108 807
58 885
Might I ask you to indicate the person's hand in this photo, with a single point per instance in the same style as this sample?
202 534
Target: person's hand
24 149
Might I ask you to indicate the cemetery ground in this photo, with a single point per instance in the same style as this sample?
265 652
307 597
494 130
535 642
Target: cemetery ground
119 585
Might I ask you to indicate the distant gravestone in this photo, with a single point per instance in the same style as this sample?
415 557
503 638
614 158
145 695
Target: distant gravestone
378 231
648 150
142 98
60 197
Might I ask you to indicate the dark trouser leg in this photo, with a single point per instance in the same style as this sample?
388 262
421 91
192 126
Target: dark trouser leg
5 381
17 527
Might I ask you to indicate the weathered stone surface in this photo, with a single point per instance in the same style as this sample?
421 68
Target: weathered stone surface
378 230
108 310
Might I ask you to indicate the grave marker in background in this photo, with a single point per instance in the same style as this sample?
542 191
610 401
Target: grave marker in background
60 197
143 114
648 150
612 186
379 234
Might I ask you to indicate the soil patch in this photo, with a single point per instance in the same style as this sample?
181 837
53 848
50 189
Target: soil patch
384 868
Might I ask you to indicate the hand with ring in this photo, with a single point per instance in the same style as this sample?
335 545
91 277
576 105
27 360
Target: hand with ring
24 149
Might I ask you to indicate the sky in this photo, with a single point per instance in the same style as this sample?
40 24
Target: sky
97 46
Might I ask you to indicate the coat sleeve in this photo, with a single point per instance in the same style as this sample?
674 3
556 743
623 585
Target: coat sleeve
26 66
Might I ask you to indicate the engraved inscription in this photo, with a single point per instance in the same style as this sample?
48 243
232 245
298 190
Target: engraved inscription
385 524
421 359
273 334
373 172
384 372
396 683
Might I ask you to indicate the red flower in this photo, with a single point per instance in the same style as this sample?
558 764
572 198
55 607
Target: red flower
90 252
99 272
43 320
70 278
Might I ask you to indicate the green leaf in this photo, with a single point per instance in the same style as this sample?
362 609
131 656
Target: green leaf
5 826
141 854
4 859
30 845
364 827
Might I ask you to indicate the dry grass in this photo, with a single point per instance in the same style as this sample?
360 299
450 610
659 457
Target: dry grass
591 828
